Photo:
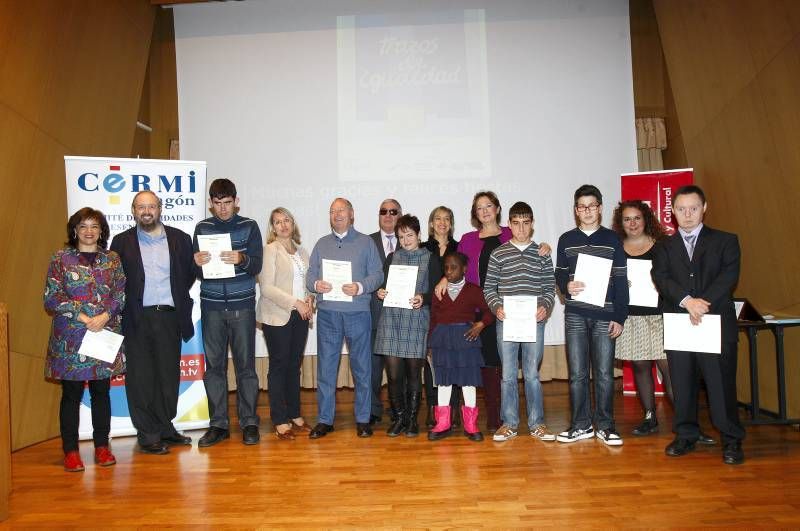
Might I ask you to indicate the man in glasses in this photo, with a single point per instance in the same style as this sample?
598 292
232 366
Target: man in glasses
386 241
590 329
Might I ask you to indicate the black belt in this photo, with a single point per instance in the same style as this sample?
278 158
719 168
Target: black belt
161 308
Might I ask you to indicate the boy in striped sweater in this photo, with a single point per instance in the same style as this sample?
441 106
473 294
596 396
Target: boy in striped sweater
516 269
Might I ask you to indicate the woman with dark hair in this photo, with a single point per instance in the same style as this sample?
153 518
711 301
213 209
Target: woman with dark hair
478 246
642 338
402 333
285 309
85 291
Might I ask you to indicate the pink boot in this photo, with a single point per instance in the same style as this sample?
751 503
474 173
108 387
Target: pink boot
442 428
471 430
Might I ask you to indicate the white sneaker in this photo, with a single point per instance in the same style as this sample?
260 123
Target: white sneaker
575 434
541 432
505 433
610 437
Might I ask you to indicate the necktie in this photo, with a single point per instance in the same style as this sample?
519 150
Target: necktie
391 243
690 242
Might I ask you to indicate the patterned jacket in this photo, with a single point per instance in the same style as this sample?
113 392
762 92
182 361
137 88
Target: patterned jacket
74 286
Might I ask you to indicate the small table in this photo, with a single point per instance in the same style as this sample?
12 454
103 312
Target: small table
776 326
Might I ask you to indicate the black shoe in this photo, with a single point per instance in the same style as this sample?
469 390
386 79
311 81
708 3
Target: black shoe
398 426
733 454
177 440
156 448
250 435
363 430
705 439
412 425
374 419
679 447
320 430
438 436
649 425
213 436
413 429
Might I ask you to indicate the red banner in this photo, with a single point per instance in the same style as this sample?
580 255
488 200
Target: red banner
655 188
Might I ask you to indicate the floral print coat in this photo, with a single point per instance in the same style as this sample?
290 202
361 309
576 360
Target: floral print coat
75 285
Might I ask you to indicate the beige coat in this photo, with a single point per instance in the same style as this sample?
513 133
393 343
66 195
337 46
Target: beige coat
275 281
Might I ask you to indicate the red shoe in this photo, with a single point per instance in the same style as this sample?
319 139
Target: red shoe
103 456
470 416
72 462
443 428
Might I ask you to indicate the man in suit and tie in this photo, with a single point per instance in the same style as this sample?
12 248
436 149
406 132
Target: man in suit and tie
386 241
159 267
696 270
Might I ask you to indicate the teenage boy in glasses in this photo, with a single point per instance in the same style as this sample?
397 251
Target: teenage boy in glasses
591 330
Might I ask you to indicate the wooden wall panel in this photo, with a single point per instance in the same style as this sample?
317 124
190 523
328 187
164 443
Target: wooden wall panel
72 75
734 68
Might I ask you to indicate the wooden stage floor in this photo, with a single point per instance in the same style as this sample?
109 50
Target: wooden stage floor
344 481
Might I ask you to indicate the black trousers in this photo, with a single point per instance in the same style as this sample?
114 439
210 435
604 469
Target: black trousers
719 373
69 412
153 358
285 345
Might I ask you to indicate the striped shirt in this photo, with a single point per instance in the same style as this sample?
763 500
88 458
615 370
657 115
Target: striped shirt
514 272
603 243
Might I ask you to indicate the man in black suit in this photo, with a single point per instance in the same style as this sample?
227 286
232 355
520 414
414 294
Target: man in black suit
696 270
388 213
159 266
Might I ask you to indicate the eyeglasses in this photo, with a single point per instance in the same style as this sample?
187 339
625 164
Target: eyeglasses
587 208
687 210
390 211
631 218
487 206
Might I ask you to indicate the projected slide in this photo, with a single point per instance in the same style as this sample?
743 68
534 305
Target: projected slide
413 97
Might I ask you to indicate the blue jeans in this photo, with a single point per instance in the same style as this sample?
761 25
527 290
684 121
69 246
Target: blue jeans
509 392
236 328
332 328
589 337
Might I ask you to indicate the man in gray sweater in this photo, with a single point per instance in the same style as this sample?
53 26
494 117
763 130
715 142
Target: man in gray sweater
343 313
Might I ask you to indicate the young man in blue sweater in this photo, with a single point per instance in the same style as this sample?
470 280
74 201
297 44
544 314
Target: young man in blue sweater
228 313
589 328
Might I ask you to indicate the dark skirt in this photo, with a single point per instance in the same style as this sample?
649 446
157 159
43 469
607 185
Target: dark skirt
456 361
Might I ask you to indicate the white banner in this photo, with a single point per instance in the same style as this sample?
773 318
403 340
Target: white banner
109 185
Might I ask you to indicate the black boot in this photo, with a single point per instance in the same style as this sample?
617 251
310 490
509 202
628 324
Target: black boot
412 429
399 424
649 424
430 420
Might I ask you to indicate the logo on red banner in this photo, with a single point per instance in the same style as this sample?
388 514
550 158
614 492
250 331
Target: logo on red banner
192 367
656 188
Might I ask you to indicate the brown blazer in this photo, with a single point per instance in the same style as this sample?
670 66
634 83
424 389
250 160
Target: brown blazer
275 281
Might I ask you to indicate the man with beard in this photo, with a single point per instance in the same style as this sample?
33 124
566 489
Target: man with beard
159 267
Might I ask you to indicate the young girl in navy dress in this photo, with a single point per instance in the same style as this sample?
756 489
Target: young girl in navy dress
456 347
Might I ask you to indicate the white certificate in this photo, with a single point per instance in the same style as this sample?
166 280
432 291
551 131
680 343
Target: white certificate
681 334
215 244
400 286
641 288
594 272
103 345
338 273
520 322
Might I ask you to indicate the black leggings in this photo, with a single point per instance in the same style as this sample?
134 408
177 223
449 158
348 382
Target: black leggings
645 387
69 413
397 368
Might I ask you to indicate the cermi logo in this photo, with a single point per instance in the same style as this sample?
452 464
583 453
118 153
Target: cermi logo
117 181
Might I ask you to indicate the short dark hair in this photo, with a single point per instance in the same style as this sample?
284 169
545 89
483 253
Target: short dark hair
689 189
520 209
461 257
588 190
82 215
406 221
474 212
652 227
221 188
